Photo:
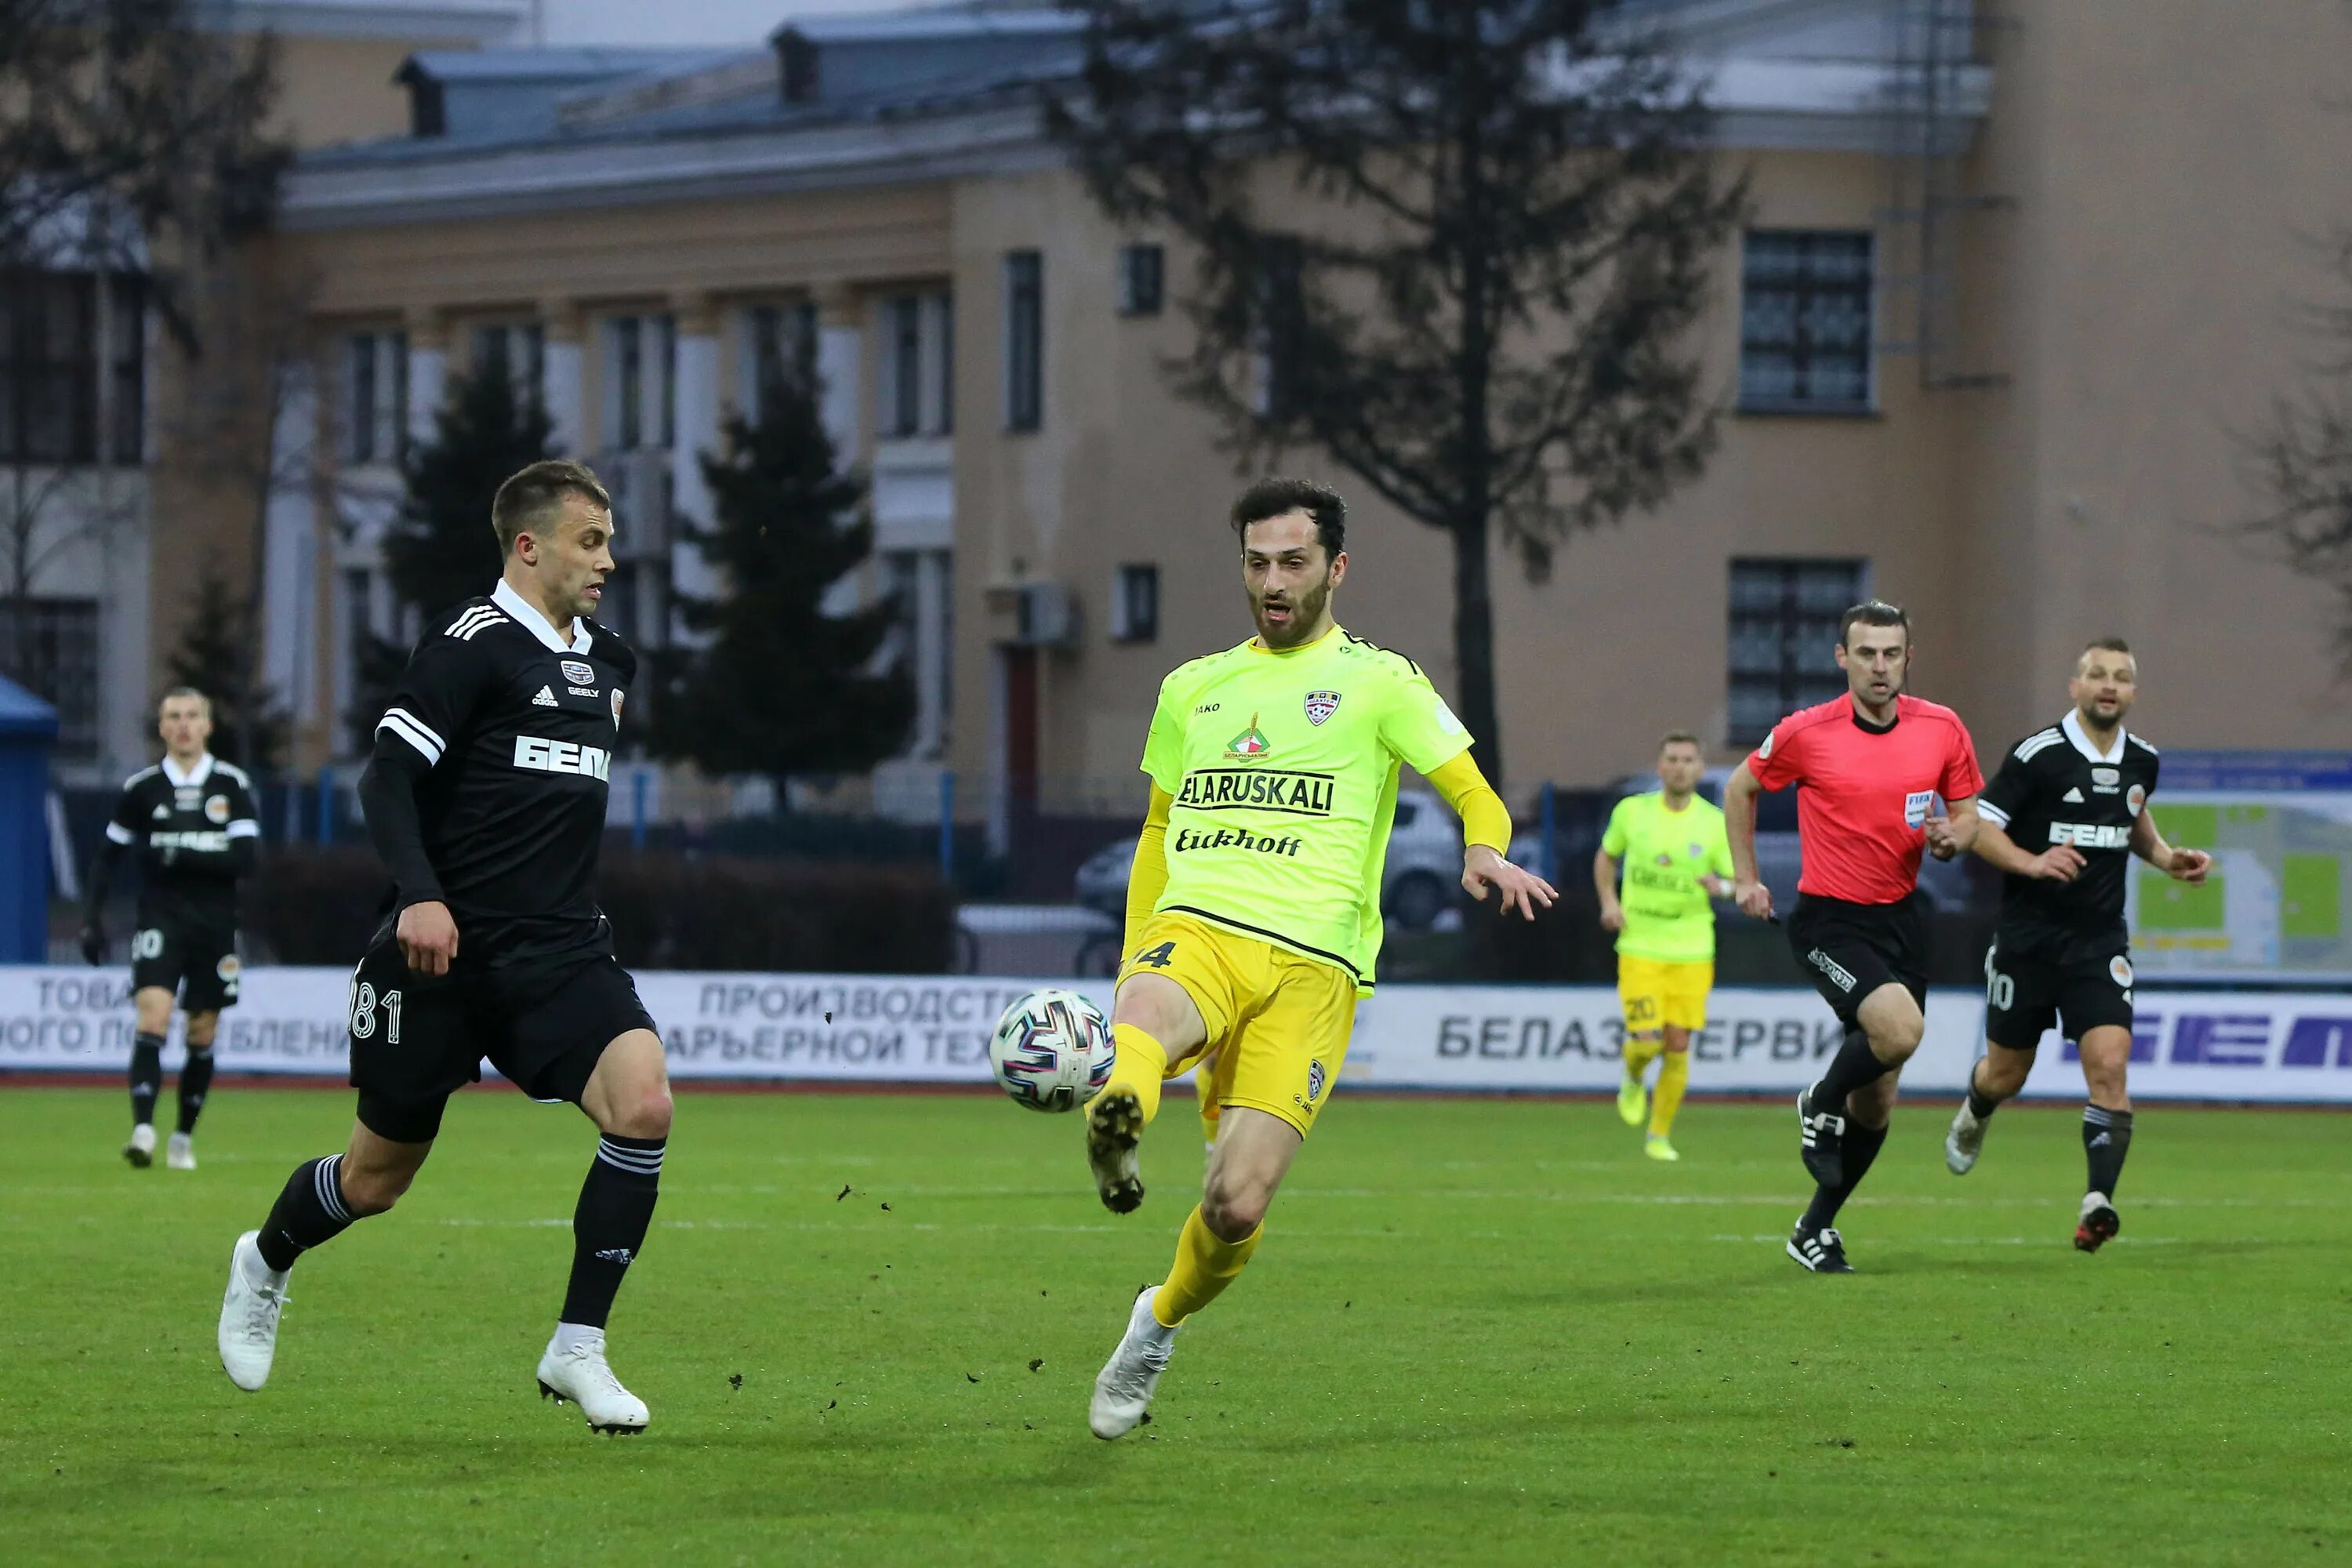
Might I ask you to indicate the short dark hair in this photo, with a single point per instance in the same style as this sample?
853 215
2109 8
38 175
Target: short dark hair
1679 738
1272 498
2108 644
532 494
1873 612
184 691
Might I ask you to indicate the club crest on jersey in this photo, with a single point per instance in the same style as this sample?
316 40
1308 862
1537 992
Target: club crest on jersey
2136 797
1250 742
229 968
1321 705
216 808
579 672
2119 970
1315 1080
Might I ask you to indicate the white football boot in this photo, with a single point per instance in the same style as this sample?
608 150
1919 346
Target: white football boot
180 1153
1123 1387
1965 1142
248 1319
141 1150
577 1372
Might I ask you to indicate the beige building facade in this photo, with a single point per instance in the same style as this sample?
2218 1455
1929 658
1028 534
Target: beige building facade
1985 351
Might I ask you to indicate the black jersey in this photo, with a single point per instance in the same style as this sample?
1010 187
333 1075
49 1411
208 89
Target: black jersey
2055 787
187 828
515 723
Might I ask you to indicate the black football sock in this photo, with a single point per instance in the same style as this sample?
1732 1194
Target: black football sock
608 1228
1854 1066
2106 1138
1860 1149
195 1082
310 1213
1978 1106
146 1077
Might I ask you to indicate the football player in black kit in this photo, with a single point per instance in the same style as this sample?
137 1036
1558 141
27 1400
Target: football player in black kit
2061 819
485 798
191 821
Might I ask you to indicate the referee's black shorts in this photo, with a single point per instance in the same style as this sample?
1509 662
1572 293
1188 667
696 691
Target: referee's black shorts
416 1040
1849 950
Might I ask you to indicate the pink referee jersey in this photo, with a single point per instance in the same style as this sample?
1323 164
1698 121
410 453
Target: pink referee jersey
1868 791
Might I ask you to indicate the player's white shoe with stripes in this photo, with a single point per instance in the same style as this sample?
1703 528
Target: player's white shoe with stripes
180 1153
141 1150
248 1319
578 1372
1123 1387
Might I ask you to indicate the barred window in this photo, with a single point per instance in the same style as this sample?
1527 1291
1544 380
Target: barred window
1784 633
1024 340
49 646
1804 321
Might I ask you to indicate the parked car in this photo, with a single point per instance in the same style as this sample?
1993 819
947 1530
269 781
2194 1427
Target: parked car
1422 880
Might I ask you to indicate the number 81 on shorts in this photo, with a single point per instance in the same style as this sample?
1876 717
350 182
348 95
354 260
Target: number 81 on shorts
365 1002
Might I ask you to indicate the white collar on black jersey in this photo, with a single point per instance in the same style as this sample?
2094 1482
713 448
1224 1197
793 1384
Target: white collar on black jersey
195 776
2072 725
529 619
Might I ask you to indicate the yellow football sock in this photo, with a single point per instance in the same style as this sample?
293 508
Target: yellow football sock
1667 1098
1204 1267
1640 1054
1141 1065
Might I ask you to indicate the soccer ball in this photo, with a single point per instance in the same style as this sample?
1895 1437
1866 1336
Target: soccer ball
1052 1050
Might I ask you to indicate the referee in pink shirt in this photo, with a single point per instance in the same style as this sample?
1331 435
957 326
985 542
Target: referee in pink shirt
1886 777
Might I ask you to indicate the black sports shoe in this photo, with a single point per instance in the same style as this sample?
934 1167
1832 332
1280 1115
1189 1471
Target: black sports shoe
1821 1251
1821 1137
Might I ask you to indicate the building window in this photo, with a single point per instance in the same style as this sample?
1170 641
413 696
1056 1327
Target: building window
49 646
902 366
1804 321
1135 604
375 396
1024 340
943 336
1140 286
1281 306
780 351
61 345
640 383
522 350
1784 633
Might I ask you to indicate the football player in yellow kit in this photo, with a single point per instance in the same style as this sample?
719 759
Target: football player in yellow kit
1254 918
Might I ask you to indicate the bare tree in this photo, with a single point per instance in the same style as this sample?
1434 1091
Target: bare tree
2300 459
1459 247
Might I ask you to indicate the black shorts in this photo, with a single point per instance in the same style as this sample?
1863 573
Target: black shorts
2031 986
195 960
417 1041
1849 950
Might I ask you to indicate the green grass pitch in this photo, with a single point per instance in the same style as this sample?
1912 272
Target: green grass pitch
1479 1332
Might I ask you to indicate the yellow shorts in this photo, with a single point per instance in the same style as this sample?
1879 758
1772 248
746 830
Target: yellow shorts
1657 993
1278 1023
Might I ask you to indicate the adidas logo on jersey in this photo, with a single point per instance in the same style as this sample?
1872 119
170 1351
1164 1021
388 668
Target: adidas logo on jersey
546 699
2073 797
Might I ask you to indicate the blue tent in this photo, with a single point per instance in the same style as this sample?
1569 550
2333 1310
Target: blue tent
29 729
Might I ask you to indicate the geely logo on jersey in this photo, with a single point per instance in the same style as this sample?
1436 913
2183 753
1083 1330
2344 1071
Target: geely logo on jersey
562 757
216 808
2090 835
1321 705
1250 742
2107 777
187 796
579 672
2136 797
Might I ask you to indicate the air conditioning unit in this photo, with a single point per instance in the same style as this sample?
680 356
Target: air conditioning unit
1044 616
640 484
